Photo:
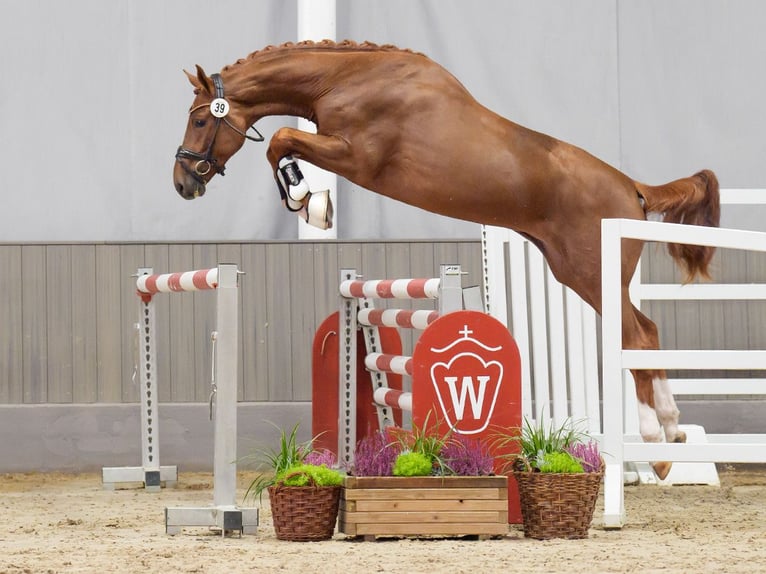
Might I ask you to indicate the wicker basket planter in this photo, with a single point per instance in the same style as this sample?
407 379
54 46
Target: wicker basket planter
424 506
304 513
558 505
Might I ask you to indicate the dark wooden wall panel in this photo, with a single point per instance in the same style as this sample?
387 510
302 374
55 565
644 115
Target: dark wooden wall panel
255 323
58 298
11 334
84 330
303 318
279 295
34 326
68 311
131 258
109 326
182 334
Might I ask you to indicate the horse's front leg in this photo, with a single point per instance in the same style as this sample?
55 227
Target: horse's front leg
286 145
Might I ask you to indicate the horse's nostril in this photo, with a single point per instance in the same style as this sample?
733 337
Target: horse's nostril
180 187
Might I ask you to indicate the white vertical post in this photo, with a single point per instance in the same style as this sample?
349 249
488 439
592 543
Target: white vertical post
590 364
539 334
347 319
575 350
611 326
517 250
225 413
224 514
316 21
493 241
150 473
150 456
557 349
450 289
630 407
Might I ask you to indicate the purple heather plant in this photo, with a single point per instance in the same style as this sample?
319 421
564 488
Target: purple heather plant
375 455
587 454
321 457
465 456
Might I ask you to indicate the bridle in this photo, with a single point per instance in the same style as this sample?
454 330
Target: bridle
219 109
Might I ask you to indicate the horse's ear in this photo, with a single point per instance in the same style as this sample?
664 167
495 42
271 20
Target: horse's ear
193 80
205 82
201 81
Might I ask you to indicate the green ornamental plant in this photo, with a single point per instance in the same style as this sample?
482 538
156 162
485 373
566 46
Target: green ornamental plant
309 475
289 465
413 463
559 462
549 448
422 451
558 470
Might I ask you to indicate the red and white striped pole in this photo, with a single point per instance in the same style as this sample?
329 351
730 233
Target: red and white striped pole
393 398
406 318
391 288
148 285
397 364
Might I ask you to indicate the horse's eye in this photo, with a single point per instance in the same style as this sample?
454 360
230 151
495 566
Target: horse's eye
199 123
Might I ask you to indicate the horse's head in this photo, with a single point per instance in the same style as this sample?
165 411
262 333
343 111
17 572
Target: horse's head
207 144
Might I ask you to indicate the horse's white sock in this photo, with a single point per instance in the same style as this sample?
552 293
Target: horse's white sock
667 412
648 424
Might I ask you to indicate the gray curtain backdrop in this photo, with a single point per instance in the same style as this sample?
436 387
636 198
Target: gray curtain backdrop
93 103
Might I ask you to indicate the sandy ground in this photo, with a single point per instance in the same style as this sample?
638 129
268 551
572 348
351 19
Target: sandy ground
67 523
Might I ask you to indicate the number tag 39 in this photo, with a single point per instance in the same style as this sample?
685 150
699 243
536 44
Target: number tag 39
219 107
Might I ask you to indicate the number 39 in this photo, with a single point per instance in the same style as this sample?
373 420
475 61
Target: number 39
219 107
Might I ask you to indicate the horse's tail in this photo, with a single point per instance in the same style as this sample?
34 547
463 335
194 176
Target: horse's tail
692 200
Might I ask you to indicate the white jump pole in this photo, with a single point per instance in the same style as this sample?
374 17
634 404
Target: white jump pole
224 513
150 473
316 21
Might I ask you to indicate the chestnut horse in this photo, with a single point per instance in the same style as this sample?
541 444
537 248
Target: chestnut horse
396 123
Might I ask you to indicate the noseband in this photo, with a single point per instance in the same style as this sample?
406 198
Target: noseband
219 108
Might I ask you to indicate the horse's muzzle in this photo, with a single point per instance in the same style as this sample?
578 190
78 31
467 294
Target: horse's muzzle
187 186
194 193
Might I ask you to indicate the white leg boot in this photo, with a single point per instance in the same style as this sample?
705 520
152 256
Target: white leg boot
293 187
316 208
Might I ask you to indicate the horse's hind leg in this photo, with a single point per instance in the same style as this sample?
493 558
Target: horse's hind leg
657 409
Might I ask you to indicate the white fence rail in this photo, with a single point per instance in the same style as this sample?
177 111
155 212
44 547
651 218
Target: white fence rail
553 328
620 446
556 334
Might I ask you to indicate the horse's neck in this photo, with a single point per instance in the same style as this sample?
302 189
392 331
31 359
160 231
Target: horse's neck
284 84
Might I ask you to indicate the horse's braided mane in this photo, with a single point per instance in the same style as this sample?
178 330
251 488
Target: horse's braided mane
324 45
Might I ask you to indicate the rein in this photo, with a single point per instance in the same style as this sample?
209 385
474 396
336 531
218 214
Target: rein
219 109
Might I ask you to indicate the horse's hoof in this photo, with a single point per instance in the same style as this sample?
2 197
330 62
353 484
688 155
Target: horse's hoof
320 210
662 469
680 437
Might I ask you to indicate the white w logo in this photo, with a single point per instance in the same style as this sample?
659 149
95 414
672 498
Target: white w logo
470 409
467 389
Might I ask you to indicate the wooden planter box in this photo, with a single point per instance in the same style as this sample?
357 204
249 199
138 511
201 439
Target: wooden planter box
424 506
